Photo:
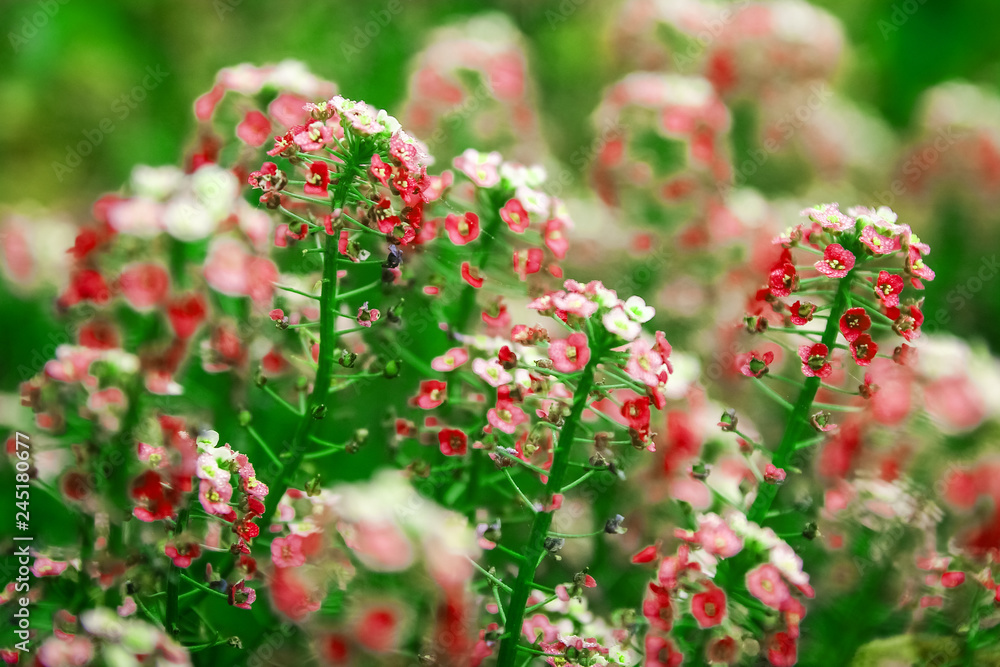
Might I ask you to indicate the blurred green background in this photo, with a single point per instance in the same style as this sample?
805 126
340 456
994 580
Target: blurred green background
64 64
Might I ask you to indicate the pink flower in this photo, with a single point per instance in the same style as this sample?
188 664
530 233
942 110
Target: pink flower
644 363
829 217
479 167
781 651
492 372
836 262
254 129
573 303
450 360
877 243
287 551
773 474
717 538
764 583
515 216
506 416
709 607
432 394
570 354
144 286
313 136
555 238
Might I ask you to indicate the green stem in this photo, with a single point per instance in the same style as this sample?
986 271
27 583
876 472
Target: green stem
543 520
327 347
173 580
798 421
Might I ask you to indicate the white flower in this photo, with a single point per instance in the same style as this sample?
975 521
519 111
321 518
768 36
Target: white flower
618 322
638 310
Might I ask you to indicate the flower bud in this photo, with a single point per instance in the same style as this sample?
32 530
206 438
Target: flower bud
729 421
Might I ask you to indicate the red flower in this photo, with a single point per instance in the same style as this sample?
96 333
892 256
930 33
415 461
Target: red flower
814 360
636 413
570 354
646 555
86 285
709 607
836 262
507 358
660 652
781 651
462 229
854 322
318 179
888 288
658 608
381 170
186 313
506 416
432 394
952 579
755 366
863 349
527 262
471 275
783 279
877 243
183 555
802 312
515 216
908 326
453 442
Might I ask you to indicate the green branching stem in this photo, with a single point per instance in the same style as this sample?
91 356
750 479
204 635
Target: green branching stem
543 520
798 420
316 404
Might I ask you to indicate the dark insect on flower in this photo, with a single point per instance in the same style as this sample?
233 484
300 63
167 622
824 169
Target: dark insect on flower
395 257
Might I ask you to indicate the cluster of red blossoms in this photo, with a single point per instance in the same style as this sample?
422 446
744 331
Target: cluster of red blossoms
855 247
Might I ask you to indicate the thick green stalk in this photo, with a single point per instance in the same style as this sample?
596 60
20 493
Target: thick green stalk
543 520
324 371
798 420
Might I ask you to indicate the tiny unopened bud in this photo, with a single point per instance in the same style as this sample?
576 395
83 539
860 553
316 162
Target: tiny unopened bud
729 421
392 369
302 383
507 358
235 642
319 411
700 471
259 378
347 359
613 526
544 363
245 417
